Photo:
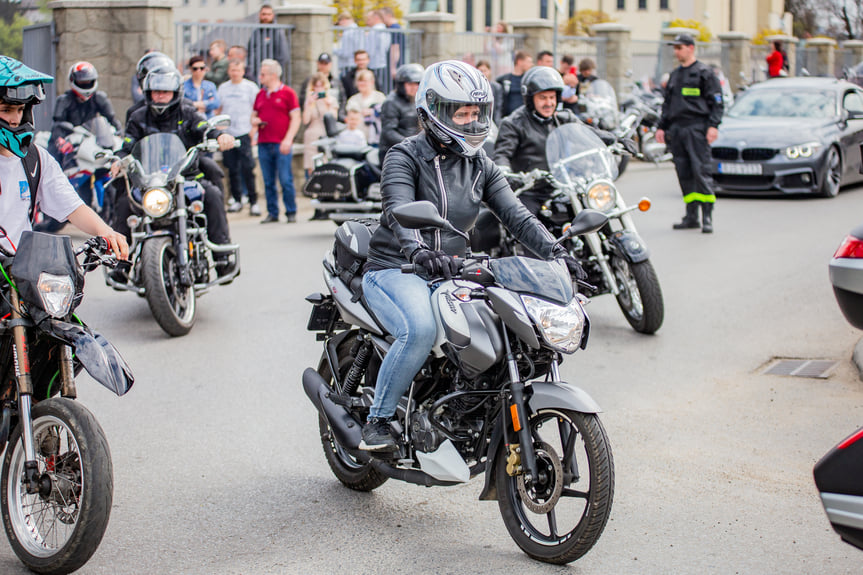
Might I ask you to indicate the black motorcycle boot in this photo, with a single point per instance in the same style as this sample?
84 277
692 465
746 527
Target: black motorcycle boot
690 220
707 218
377 436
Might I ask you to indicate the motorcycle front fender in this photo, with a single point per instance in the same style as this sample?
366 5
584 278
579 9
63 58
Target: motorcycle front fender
630 245
546 395
98 355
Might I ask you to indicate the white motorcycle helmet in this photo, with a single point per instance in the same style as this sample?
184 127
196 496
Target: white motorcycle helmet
445 88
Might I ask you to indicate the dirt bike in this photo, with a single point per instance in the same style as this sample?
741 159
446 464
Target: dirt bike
173 261
616 259
57 478
489 399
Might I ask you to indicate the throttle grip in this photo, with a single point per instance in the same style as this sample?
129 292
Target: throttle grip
409 268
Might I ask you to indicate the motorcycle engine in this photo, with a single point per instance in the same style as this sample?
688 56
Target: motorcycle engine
424 436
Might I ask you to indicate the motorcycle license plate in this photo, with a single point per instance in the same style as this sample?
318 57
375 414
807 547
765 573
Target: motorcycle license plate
740 169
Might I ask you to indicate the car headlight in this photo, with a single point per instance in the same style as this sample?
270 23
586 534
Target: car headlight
601 196
57 293
156 202
802 151
560 326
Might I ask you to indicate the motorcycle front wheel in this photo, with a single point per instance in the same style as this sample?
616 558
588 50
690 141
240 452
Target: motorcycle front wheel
352 473
58 529
172 304
559 517
639 295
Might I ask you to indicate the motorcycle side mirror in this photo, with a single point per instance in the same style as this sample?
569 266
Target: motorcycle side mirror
424 214
586 221
220 121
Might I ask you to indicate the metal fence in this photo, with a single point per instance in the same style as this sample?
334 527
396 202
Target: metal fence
385 46
497 49
261 41
844 61
580 47
38 53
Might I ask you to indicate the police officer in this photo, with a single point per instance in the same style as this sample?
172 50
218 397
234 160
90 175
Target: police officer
690 116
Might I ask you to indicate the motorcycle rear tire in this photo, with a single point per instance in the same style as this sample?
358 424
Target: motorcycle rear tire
640 297
79 504
352 474
589 496
172 305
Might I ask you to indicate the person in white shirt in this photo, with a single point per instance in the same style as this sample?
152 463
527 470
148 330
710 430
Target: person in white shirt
352 135
237 96
20 89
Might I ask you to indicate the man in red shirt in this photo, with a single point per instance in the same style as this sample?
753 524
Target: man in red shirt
275 122
776 61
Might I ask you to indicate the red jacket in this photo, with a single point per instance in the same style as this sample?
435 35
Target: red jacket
775 62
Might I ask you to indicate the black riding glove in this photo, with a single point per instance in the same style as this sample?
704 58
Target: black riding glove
629 145
435 263
575 270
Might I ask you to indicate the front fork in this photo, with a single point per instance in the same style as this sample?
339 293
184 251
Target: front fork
182 236
25 392
523 457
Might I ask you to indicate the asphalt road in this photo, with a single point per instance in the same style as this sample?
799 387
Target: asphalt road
218 468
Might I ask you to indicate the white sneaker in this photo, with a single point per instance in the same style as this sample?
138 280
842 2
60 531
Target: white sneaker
255 210
235 206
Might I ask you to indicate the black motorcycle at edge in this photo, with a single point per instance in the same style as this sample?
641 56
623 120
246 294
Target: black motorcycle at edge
57 478
489 399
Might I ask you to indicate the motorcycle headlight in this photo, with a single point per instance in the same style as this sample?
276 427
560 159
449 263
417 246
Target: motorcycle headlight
802 151
560 326
57 293
156 202
601 196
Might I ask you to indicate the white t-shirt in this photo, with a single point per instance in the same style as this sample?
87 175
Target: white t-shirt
56 196
237 101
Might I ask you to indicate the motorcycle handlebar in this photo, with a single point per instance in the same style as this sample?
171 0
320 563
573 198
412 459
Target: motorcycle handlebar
98 252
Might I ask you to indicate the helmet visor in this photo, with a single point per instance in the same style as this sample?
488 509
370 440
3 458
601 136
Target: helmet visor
467 119
162 82
24 94
86 84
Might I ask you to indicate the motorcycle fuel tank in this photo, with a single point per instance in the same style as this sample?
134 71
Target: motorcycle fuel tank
468 330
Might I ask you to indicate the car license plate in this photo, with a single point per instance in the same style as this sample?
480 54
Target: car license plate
740 169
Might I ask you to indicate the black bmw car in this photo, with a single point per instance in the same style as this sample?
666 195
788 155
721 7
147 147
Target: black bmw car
791 136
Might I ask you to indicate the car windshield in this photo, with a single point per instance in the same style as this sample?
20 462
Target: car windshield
785 103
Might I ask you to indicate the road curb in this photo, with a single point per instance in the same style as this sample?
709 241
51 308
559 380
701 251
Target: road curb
857 357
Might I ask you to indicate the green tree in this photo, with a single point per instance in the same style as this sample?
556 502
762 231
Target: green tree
11 35
579 25
359 8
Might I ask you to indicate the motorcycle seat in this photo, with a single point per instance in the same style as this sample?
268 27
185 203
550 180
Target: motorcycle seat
357 153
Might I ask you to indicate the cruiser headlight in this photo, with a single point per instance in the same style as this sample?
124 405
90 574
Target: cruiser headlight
802 151
57 293
156 202
601 196
560 326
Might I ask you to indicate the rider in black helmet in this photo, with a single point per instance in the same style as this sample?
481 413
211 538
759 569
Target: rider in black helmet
149 62
398 112
520 145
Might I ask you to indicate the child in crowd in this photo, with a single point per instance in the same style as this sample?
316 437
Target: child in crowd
353 134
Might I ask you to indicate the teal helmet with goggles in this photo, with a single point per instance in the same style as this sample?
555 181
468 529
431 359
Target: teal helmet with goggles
20 85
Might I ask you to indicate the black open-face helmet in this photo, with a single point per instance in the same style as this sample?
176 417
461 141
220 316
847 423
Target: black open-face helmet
166 80
540 79
407 73
19 85
149 62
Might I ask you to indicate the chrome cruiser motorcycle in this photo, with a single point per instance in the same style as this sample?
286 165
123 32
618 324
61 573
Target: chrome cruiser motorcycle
616 259
173 261
489 399
57 478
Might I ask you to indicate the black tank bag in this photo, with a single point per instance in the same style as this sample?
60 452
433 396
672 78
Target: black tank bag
351 250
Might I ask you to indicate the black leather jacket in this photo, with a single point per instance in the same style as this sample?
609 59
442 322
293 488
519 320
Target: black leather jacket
183 120
398 121
520 143
70 109
417 170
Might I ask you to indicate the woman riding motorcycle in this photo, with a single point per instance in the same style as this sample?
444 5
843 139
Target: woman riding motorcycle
443 164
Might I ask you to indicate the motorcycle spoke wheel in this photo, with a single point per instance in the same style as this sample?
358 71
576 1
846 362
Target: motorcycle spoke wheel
172 304
560 516
352 473
57 529
639 295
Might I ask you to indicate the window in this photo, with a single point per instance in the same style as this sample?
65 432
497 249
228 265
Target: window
468 21
572 8
642 4
543 9
663 4
450 6
621 4
489 8
424 5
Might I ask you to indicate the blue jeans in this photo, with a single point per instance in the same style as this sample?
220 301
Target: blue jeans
274 163
402 303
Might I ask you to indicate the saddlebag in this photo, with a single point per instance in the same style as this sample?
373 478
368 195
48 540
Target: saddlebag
350 251
329 182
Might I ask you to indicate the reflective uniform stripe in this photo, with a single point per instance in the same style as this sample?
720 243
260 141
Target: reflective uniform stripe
696 197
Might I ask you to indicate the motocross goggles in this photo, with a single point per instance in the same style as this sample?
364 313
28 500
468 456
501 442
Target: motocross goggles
23 93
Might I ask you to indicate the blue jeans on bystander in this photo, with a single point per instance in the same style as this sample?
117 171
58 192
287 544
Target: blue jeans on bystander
273 164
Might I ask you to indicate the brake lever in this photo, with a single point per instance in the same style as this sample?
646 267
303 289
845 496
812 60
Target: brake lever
586 285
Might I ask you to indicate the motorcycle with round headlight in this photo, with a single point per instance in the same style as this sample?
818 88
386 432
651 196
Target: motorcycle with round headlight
57 478
173 261
616 259
489 399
